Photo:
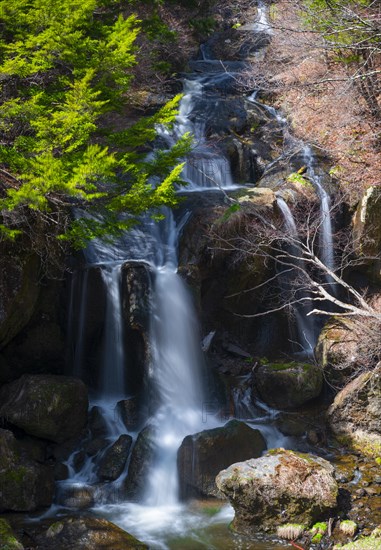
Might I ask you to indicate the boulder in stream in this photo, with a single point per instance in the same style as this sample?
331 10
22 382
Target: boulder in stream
25 485
141 461
114 459
287 385
279 488
202 455
46 406
355 415
86 533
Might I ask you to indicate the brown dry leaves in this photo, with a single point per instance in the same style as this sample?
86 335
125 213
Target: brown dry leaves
323 106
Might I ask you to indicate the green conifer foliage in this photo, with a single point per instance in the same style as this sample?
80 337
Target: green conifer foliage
65 64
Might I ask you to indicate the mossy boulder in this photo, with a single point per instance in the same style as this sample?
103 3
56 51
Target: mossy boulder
19 290
336 350
8 540
141 461
355 415
46 406
287 385
279 488
202 455
25 485
86 533
115 458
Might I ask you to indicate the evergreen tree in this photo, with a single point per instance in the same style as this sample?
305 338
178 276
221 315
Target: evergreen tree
65 64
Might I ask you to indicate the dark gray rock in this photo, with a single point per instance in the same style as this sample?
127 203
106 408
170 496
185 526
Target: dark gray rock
86 533
115 458
141 461
288 385
202 455
25 485
46 406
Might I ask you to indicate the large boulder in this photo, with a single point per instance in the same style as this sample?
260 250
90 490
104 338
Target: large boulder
86 533
141 460
287 385
367 231
115 458
8 540
279 488
337 350
202 455
355 415
19 290
24 485
46 406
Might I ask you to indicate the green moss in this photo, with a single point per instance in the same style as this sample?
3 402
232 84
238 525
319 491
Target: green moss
363 543
365 446
320 527
348 527
7 539
291 365
316 538
378 460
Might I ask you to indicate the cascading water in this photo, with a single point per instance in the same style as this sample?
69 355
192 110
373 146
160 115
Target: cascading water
306 327
326 239
176 363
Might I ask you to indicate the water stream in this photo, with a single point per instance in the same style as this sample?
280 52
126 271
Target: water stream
176 365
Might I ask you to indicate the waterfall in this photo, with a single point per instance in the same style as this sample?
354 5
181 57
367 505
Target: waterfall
326 239
113 360
305 324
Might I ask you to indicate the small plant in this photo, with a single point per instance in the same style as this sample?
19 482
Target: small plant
348 527
317 531
290 531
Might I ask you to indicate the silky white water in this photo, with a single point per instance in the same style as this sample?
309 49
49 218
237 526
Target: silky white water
306 327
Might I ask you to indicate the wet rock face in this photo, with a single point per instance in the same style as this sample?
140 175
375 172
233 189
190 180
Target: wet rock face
337 344
46 406
201 456
86 533
25 485
278 488
114 459
19 291
141 461
355 414
367 231
287 385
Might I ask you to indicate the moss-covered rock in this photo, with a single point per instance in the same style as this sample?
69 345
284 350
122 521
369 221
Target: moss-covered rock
8 541
86 533
202 455
338 346
19 290
46 406
287 385
279 488
355 415
114 459
24 485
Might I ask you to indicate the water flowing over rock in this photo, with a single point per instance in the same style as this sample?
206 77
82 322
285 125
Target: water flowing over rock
25 485
46 406
355 415
278 488
114 459
287 385
86 533
140 463
201 456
